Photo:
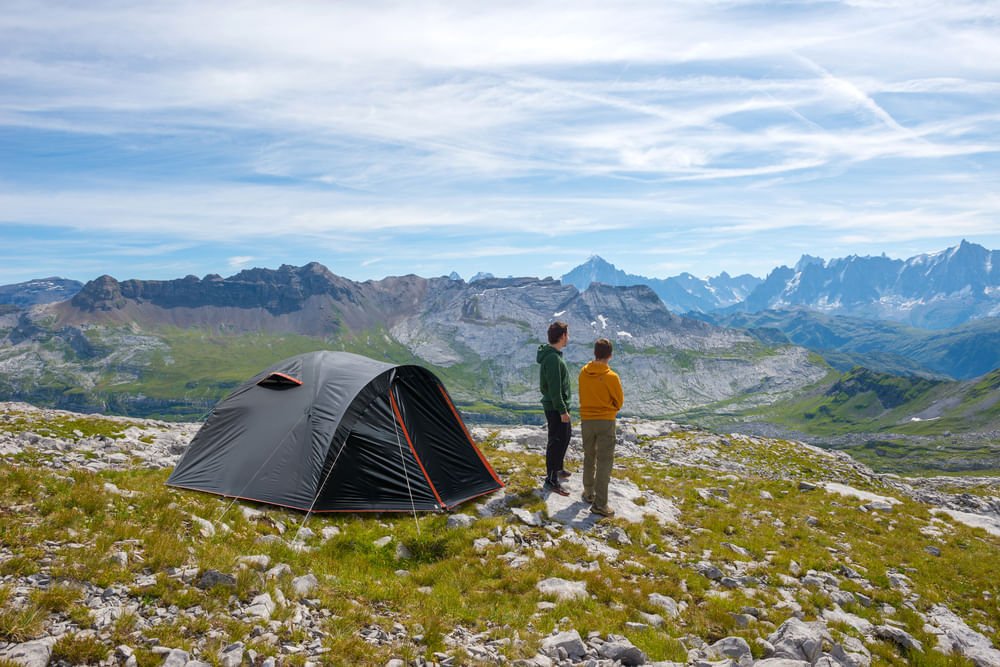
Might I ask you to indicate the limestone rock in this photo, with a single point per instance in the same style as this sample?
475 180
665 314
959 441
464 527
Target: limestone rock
262 607
563 589
569 641
460 520
31 654
526 517
258 562
667 603
212 578
736 648
303 586
797 640
899 636
955 636
622 651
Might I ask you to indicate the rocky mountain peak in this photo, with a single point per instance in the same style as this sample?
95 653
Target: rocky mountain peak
281 290
807 260
597 270
40 290
103 293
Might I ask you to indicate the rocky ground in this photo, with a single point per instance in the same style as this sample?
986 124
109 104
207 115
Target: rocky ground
835 636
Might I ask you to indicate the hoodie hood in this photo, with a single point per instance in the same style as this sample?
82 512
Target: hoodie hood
544 350
595 369
601 395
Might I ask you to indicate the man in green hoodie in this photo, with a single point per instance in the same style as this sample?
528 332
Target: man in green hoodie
553 381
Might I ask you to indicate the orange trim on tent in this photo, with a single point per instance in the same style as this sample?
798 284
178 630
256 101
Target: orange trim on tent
395 408
469 436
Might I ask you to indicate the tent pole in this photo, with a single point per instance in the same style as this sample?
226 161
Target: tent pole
319 490
406 475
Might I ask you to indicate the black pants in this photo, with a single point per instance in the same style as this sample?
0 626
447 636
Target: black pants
555 450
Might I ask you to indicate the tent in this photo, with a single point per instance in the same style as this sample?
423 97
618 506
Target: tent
338 432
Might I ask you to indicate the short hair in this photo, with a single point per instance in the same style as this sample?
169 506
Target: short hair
556 331
602 348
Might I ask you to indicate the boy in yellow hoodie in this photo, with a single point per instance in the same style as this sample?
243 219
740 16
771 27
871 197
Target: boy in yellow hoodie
601 398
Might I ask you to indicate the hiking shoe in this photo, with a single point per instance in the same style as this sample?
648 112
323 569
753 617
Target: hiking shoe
603 511
588 497
555 488
565 474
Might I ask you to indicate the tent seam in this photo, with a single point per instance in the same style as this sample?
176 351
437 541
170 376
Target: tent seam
468 435
406 434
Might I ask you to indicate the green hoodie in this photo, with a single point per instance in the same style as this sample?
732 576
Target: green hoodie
553 379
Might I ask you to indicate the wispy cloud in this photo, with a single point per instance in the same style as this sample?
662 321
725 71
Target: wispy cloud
218 134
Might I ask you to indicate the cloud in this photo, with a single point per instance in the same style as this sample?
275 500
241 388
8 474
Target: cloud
240 261
374 130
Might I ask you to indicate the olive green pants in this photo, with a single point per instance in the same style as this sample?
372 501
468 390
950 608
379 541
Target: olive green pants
598 458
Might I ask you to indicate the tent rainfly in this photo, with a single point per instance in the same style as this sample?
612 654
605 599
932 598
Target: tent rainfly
338 432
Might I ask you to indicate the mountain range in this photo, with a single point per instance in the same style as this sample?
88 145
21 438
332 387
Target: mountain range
931 291
935 291
173 348
680 293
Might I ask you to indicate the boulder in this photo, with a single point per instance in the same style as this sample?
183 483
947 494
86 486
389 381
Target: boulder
30 654
666 603
899 636
563 589
569 641
797 640
735 648
956 636
212 578
622 651
262 607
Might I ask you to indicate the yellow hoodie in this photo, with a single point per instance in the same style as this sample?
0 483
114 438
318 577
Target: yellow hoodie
600 388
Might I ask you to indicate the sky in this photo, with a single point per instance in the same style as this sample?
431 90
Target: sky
156 140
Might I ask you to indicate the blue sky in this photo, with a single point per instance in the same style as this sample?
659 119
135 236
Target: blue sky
155 140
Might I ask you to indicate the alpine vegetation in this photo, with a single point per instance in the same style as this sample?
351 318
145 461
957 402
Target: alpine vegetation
725 550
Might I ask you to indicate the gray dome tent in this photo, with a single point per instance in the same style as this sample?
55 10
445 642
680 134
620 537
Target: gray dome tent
338 432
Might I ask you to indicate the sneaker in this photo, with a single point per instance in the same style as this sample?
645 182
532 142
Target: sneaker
588 497
555 488
603 511
565 474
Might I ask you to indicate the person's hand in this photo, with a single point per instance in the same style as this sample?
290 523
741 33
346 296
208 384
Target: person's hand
565 417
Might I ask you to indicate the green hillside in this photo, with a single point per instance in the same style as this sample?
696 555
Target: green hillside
179 374
863 400
902 424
